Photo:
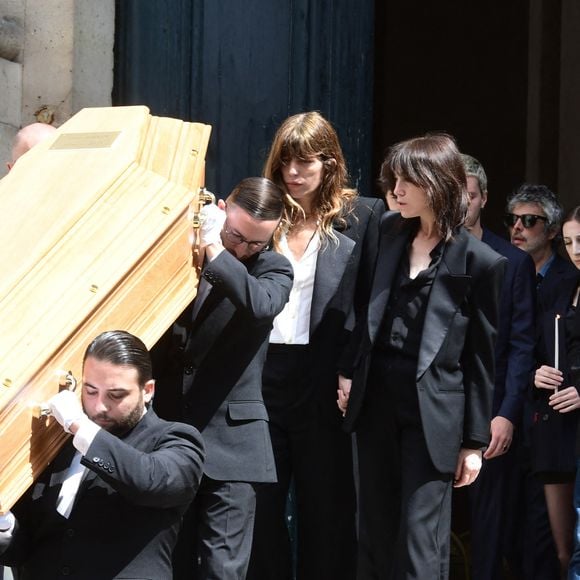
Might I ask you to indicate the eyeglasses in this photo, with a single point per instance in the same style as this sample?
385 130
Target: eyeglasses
529 220
236 238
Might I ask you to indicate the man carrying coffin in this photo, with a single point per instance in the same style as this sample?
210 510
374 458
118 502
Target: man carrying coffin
110 504
212 364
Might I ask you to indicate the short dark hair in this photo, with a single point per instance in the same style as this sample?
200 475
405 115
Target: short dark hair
542 196
433 163
259 197
121 348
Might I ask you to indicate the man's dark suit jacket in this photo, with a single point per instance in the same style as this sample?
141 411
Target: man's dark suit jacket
209 371
456 370
127 512
514 349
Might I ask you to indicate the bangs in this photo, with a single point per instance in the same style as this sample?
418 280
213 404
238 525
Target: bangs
401 161
300 142
296 148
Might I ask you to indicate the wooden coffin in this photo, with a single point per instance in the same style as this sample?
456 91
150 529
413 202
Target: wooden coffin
96 235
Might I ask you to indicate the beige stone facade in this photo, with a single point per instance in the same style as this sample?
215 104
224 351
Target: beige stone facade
56 57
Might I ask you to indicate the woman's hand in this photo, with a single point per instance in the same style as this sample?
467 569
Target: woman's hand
343 391
565 400
548 378
468 467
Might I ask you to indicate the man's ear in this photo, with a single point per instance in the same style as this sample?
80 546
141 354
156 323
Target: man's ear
221 204
483 198
149 390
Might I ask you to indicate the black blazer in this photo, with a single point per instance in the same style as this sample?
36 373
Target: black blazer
455 371
341 290
209 372
514 349
127 512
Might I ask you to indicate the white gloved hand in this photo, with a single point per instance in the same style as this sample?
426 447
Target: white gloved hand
213 219
6 521
66 408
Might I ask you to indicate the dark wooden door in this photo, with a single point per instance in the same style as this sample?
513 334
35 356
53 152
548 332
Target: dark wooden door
244 66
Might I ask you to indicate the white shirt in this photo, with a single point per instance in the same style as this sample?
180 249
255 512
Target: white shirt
292 325
72 481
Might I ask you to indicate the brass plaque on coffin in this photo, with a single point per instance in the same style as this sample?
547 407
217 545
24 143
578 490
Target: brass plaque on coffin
96 140
96 235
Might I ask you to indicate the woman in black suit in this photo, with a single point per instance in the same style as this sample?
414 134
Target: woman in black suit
421 392
330 236
557 400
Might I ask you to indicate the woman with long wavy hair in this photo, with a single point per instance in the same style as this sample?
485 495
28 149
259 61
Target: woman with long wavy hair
329 234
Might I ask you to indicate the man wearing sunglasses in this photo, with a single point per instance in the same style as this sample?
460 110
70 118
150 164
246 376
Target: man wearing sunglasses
533 220
209 369
491 510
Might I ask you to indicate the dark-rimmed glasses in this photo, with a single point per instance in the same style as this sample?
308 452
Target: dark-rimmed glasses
236 238
529 220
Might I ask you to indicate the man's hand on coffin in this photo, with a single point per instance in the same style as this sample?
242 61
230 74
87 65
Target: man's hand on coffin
66 408
213 219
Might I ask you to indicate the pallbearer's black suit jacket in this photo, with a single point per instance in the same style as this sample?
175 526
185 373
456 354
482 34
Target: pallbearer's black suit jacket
209 370
127 511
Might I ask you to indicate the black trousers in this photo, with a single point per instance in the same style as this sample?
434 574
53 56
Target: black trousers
491 515
404 501
216 537
318 456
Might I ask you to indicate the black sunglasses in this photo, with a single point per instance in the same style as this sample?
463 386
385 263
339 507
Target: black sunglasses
529 220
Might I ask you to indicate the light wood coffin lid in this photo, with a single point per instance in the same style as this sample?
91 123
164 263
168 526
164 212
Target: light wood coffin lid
96 231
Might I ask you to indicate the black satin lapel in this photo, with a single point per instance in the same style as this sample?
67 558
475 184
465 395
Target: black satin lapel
331 263
392 245
446 296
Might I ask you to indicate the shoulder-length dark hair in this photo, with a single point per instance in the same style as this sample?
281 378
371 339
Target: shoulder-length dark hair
433 163
304 136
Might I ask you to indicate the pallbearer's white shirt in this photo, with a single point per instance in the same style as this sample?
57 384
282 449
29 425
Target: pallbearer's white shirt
72 481
292 325
82 441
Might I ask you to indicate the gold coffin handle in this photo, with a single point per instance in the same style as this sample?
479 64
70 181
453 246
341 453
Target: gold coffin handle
66 380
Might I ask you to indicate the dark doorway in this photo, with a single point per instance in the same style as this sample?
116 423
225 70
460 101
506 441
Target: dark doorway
460 68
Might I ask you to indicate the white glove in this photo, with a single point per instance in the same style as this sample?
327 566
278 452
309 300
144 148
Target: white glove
7 521
65 407
213 219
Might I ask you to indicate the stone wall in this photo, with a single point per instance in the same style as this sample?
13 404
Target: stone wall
56 57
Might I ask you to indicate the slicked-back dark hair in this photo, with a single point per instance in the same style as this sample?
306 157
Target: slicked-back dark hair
259 197
121 348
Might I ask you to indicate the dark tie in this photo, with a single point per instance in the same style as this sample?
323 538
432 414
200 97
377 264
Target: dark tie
539 278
